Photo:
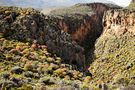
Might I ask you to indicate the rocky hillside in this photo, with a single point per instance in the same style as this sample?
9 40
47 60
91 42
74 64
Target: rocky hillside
28 25
82 19
39 52
114 50
29 66
84 23
71 36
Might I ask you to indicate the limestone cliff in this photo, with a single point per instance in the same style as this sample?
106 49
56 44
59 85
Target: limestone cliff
114 50
29 25
83 22
71 36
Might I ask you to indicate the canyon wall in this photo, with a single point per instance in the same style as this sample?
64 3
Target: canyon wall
29 25
73 35
82 26
69 33
115 48
84 23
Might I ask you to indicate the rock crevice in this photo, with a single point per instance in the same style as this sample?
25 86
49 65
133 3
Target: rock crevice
85 27
69 34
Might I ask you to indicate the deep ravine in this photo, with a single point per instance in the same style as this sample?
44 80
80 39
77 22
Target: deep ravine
83 46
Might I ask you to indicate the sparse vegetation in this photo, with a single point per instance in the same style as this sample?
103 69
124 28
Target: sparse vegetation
36 55
74 10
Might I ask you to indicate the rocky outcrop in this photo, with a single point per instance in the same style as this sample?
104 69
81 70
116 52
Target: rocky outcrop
114 50
71 36
29 66
29 25
118 22
84 23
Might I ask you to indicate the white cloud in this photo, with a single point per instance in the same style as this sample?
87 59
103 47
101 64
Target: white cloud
122 2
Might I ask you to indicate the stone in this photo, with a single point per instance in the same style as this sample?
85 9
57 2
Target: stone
17 81
130 87
28 74
47 81
6 75
17 70
9 84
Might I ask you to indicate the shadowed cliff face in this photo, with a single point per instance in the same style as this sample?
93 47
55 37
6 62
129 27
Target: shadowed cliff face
29 25
80 25
115 48
73 37
84 28
70 34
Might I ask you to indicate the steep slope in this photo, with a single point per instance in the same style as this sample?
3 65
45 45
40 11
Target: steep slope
28 25
114 50
71 36
29 66
83 22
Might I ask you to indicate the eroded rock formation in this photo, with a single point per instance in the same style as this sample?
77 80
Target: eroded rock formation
84 23
29 25
70 34
114 50
117 22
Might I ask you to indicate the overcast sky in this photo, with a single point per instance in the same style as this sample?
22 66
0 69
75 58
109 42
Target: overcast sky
122 2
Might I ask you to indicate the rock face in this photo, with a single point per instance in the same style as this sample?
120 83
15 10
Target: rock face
115 49
30 25
83 22
118 22
25 67
71 36
82 19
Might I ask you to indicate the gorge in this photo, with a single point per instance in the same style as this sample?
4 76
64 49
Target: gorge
92 43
